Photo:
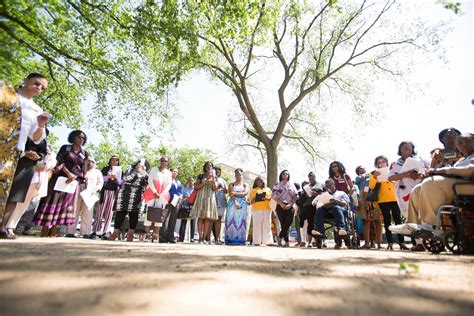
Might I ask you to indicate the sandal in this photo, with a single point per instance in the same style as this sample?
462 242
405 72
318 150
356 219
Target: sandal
390 246
155 237
365 246
52 231
130 235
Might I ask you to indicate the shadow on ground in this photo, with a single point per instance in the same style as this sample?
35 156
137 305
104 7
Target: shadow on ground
89 278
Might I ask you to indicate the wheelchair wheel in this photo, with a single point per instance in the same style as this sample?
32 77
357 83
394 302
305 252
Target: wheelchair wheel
452 243
433 245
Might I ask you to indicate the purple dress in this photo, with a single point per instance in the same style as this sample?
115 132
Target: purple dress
59 208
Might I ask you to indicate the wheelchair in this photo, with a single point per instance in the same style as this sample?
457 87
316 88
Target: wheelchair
351 240
456 222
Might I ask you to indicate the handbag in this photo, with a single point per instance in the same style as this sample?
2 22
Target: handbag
184 211
192 197
154 214
373 194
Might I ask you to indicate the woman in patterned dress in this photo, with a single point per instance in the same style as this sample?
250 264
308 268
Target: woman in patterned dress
130 198
237 213
59 208
205 207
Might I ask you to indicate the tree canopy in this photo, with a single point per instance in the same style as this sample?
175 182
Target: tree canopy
84 48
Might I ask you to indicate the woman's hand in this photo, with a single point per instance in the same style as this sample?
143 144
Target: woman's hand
413 174
42 119
112 177
32 155
71 177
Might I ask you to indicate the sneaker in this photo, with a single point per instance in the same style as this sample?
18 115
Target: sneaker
342 232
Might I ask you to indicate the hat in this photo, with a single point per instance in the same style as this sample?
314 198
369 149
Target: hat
444 131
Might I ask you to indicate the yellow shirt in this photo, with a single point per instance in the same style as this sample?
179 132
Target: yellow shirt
261 205
386 192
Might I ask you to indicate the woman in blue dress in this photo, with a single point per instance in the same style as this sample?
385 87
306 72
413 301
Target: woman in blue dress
237 213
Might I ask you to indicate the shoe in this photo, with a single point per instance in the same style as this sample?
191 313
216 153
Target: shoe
86 236
130 235
390 246
365 246
172 242
314 232
418 247
279 241
337 247
112 236
372 245
324 245
28 232
342 232
70 236
403 246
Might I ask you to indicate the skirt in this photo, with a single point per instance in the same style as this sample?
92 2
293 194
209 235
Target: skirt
57 208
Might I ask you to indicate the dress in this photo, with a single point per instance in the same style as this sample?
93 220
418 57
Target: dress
205 205
59 208
236 220
10 118
130 196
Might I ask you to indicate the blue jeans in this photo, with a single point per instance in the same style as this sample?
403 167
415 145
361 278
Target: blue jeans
321 213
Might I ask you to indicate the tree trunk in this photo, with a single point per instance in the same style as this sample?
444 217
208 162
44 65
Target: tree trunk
272 166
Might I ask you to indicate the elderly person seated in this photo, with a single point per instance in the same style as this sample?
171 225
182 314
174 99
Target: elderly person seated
437 189
332 202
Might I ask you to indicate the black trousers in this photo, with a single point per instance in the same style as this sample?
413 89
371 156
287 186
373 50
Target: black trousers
391 210
169 222
307 213
286 219
182 229
120 217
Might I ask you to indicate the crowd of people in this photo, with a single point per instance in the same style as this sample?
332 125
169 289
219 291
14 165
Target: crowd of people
65 189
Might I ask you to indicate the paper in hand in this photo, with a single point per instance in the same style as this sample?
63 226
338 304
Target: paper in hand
62 186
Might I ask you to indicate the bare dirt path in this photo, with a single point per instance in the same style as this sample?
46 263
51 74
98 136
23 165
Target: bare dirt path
83 277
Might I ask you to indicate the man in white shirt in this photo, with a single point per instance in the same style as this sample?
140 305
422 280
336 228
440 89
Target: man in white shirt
87 200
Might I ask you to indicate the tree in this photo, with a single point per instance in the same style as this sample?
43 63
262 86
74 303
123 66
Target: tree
313 43
84 48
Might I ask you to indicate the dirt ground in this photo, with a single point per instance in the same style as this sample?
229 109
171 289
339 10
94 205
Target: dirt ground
83 277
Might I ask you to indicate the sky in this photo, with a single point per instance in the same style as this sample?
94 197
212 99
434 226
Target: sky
441 97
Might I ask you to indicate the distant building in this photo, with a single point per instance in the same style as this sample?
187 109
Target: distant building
228 174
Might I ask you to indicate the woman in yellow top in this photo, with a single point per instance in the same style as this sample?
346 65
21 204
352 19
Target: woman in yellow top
261 213
387 202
